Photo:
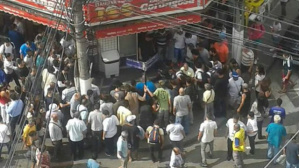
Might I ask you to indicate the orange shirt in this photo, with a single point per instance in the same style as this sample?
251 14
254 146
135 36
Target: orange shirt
222 51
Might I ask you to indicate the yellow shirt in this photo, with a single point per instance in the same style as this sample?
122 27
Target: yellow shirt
241 136
208 96
27 130
122 114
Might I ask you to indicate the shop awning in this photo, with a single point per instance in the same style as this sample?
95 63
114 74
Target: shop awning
32 16
148 25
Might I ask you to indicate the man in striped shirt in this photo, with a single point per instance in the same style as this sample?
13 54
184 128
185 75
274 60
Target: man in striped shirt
247 60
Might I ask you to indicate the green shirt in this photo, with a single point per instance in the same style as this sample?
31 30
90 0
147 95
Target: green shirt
163 98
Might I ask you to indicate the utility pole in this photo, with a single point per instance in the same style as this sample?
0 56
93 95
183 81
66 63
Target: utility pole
81 44
238 30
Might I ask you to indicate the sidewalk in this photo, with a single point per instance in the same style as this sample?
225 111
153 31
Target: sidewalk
128 74
266 57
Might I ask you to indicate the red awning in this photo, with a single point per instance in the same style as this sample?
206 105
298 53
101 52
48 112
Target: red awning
149 25
26 14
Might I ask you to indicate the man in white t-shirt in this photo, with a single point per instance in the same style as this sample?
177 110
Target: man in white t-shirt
207 132
230 132
182 108
4 136
251 131
190 39
5 48
95 119
179 46
110 124
76 129
176 135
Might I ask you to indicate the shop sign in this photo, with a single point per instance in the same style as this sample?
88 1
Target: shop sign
52 7
146 26
30 15
113 10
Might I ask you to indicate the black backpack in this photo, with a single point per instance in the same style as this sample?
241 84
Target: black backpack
204 79
154 135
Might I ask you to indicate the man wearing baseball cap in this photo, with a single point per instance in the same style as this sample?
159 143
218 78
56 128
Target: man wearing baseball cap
234 88
133 140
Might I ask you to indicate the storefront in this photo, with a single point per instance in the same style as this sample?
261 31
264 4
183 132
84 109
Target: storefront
115 23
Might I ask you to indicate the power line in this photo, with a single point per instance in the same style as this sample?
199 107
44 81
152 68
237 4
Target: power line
167 22
17 137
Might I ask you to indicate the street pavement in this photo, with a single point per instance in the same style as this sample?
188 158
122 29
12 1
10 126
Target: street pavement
192 147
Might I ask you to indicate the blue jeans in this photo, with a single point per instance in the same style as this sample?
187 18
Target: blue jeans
288 165
272 151
178 54
184 121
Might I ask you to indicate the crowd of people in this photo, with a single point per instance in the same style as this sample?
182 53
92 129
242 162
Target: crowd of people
200 78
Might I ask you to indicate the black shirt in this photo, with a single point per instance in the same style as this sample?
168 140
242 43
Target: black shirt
220 87
147 49
191 91
133 140
146 116
23 72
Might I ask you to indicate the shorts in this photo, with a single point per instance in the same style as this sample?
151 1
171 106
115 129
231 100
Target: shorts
286 81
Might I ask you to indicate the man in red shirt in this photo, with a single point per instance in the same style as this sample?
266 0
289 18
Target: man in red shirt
221 50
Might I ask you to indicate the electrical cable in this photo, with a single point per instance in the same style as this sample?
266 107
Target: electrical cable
207 16
244 10
232 15
213 32
12 151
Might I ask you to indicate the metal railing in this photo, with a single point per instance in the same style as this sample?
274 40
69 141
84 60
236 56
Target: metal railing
278 153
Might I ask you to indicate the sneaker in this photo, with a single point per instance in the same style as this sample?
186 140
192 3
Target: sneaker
203 165
107 154
272 49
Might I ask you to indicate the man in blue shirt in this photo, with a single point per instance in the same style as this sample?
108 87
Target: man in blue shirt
140 87
92 163
14 111
276 132
28 46
277 110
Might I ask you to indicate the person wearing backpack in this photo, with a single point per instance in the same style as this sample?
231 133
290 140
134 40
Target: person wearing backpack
201 77
155 139
7 47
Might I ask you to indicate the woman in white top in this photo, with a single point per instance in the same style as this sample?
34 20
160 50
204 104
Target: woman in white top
260 75
258 110
176 159
251 131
